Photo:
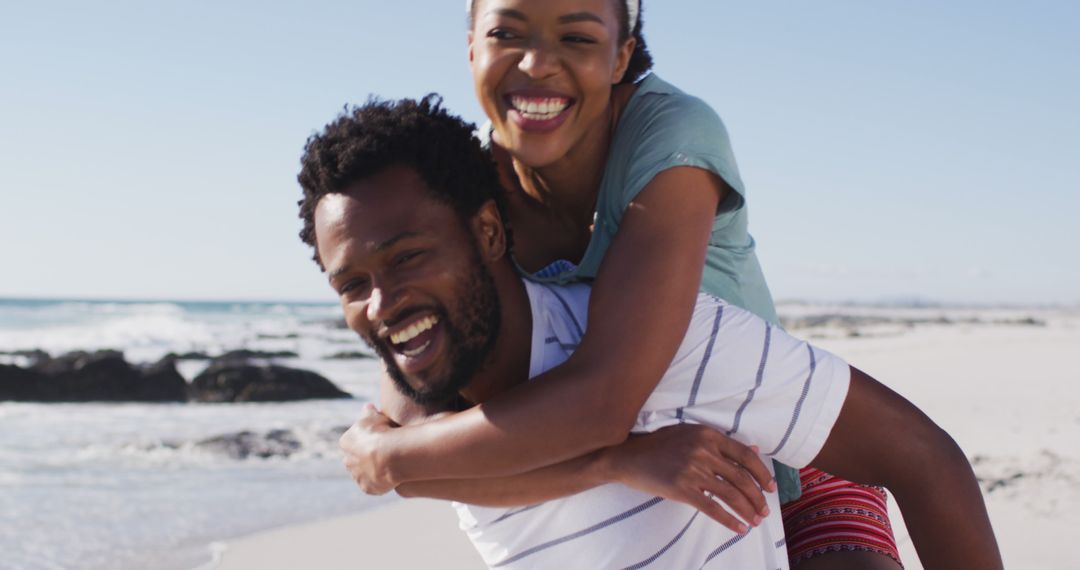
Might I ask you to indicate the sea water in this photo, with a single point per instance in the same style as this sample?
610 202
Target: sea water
104 485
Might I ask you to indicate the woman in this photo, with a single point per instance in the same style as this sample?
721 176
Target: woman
629 183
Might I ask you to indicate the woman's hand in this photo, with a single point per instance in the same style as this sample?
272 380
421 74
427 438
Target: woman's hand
699 466
364 457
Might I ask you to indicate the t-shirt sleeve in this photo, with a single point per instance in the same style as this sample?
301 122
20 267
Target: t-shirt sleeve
752 381
680 130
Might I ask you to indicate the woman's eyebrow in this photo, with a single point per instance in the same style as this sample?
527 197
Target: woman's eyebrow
564 19
580 17
511 13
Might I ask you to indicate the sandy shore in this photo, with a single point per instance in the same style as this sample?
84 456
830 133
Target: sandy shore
418 533
1009 394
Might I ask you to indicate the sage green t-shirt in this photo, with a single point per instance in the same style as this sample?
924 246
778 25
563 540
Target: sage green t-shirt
661 128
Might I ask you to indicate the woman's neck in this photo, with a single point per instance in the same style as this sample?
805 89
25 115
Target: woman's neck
568 187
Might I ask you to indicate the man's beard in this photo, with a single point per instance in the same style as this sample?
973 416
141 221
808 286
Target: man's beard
471 335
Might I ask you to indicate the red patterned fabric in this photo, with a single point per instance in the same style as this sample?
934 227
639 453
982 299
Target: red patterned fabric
834 515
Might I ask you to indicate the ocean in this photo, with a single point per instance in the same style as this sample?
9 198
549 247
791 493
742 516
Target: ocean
127 485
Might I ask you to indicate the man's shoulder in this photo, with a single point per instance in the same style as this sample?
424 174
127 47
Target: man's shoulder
566 305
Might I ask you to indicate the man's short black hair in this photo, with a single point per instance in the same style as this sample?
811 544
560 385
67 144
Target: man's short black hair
363 141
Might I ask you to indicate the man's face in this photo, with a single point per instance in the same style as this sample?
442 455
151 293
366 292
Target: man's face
412 282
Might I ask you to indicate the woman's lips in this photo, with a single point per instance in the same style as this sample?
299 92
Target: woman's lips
538 112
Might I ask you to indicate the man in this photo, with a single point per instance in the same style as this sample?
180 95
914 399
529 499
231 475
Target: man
401 207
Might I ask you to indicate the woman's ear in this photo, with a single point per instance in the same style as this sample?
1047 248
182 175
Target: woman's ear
490 234
622 61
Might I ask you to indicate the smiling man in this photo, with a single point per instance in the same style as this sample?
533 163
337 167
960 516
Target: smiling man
401 206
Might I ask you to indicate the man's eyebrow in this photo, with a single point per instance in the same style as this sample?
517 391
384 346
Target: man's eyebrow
379 247
580 17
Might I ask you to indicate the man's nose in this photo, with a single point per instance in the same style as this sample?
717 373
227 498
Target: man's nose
384 302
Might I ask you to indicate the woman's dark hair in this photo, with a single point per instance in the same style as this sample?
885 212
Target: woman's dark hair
640 61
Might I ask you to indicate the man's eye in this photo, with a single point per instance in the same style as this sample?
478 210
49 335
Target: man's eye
353 286
406 257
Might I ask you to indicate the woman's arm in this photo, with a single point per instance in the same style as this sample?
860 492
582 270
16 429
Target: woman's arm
681 463
639 311
882 439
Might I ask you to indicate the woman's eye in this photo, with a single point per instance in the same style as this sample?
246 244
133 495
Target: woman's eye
502 34
578 40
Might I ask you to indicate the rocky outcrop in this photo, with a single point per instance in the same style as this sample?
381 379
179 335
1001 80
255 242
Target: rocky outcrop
247 444
105 376
102 376
349 355
20 384
247 354
241 381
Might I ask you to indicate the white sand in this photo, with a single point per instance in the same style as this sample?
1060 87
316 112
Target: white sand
1009 394
405 535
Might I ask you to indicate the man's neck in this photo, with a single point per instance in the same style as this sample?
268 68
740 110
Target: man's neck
508 364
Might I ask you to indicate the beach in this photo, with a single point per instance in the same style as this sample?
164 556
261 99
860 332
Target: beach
1002 382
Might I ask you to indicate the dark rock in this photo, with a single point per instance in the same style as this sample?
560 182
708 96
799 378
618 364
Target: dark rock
34 356
102 376
162 382
245 354
246 444
19 383
289 336
348 355
189 356
234 381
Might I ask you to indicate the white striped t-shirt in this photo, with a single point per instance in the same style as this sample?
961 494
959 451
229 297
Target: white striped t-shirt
734 372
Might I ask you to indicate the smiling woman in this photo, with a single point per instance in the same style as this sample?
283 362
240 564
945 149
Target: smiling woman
578 55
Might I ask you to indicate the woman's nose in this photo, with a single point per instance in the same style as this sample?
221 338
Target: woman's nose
539 60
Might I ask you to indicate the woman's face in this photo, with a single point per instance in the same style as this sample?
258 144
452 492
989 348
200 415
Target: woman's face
543 71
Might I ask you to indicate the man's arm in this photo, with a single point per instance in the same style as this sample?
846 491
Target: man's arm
882 439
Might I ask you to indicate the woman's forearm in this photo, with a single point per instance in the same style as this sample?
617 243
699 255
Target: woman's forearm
536 425
689 463
529 488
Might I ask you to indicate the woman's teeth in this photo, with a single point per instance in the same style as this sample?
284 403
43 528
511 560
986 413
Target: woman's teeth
414 330
539 109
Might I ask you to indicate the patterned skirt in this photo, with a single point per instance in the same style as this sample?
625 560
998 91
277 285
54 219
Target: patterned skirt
837 515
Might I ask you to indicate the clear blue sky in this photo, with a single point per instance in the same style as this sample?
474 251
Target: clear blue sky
906 149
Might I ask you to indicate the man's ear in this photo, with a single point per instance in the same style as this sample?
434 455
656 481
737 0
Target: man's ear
470 37
490 234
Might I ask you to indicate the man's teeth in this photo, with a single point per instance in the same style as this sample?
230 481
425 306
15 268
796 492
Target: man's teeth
414 330
540 109
417 350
